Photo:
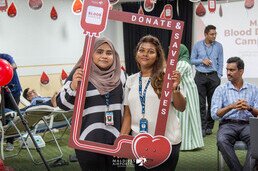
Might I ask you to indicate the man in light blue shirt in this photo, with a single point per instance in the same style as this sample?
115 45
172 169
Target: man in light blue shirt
207 56
233 104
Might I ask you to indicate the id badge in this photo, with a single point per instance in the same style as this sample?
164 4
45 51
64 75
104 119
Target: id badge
143 125
109 118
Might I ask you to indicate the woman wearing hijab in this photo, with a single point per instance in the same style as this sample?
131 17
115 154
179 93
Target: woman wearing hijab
104 97
190 119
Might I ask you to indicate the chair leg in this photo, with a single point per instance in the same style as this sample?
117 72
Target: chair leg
220 161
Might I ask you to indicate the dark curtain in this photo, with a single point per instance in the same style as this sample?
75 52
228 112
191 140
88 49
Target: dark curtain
133 33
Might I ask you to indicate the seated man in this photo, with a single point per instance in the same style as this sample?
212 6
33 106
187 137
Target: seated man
233 103
33 97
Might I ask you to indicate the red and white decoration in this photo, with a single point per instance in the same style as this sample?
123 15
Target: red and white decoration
149 5
212 6
140 11
93 21
94 16
167 12
249 3
77 7
3 5
11 12
35 4
64 75
53 13
44 79
200 10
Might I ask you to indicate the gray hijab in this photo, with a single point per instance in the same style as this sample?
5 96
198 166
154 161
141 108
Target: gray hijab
104 80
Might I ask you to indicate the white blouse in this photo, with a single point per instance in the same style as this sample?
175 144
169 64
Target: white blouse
132 99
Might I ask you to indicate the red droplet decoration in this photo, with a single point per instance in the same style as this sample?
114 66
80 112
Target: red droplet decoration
77 6
140 11
11 12
220 11
63 75
3 5
53 13
200 10
249 3
44 79
35 4
6 71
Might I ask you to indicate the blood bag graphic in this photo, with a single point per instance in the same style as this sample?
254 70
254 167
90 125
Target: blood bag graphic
168 11
94 16
212 6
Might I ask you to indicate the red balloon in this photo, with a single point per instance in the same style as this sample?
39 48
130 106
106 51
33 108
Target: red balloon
6 72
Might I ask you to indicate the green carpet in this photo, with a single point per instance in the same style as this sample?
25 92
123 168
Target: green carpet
202 159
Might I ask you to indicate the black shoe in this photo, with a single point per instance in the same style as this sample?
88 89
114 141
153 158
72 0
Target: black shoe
203 133
208 131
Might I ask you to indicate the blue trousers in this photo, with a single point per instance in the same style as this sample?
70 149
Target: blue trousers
228 134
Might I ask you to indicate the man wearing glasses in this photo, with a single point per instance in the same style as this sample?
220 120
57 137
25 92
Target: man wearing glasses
207 56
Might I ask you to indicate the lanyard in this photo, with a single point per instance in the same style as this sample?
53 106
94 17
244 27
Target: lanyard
142 95
107 100
206 50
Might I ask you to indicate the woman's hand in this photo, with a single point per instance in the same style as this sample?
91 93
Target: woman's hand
77 76
176 77
53 99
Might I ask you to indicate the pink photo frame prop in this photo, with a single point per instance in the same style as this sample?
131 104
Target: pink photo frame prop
126 146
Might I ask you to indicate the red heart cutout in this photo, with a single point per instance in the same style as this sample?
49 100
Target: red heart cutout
155 150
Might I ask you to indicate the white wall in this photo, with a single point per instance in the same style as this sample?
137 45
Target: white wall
238 19
40 44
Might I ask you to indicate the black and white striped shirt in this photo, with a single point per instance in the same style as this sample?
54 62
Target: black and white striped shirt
93 124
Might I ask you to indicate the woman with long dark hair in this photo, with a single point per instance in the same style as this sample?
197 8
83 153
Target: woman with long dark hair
142 98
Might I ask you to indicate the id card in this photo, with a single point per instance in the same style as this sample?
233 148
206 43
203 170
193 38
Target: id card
109 118
143 125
